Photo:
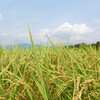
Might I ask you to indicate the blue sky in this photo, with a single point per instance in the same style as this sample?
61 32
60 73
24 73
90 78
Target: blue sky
68 21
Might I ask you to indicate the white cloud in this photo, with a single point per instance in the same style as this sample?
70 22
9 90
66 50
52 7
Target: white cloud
67 33
18 24
42 35
79 39
75 28
1 17
70 33
23 35
8 38
97 21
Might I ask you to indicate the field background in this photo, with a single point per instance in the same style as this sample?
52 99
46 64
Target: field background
45 73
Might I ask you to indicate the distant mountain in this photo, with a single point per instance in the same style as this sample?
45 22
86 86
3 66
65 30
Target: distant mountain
26 45
20 45
23 45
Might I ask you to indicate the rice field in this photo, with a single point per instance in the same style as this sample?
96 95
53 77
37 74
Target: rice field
46 73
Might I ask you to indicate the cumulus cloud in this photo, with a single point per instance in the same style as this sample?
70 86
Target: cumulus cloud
1 17
18 24
75 28
42 35
25 35
97 21
71 33
67 33
8 38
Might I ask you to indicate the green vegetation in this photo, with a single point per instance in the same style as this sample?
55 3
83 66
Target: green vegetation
46 73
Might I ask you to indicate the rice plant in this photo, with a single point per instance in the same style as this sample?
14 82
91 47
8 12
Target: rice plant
45 73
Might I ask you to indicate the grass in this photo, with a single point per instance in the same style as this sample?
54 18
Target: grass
46 73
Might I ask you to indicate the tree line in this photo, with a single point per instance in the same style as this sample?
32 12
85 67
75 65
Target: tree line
83 45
